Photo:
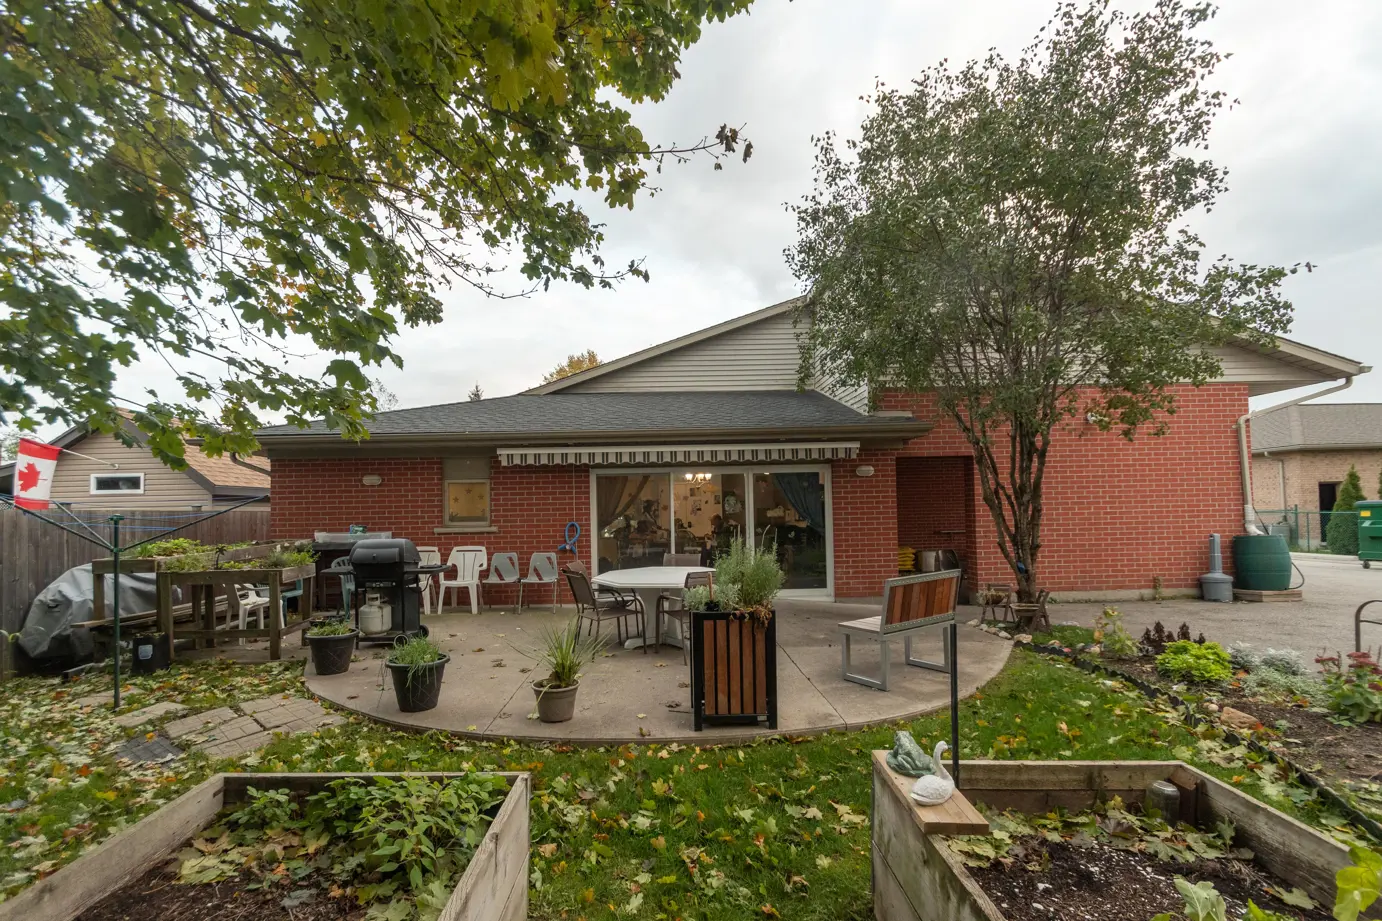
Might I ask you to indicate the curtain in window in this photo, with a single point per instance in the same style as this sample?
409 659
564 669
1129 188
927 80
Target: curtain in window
806 494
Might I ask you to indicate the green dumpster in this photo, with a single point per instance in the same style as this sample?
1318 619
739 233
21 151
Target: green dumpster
1369 531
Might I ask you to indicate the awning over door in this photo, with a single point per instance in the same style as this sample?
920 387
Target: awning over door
659 455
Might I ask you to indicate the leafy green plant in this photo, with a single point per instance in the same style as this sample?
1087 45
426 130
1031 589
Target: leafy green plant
280 558
176 546
417 653
564 652
1203 663
747 579
1109 631
1269 684
1203 903
1353 692
331 628
696 597
1243 656
1359 885
1285 661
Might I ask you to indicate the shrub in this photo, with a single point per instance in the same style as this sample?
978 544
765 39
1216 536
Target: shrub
1342 532
1115 638
1285 661
1243 657
1354 691
1204 663
1155 638
747 579
1268 684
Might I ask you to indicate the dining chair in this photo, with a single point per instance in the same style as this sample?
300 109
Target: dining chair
467 563
542 570
674 606
503 570
596 608
428 556
681 559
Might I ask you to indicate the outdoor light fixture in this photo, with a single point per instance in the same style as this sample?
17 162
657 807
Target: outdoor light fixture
864 470
371 479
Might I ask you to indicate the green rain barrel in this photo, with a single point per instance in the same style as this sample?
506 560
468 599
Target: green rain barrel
1261 563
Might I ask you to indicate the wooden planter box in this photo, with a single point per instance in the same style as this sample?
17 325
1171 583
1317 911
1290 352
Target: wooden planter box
733 669
204 585
916 877
494 886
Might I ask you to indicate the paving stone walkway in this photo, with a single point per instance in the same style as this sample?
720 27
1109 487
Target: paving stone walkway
224 733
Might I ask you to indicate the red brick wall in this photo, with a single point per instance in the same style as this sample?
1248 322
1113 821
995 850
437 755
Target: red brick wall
932 502
529 506
1118 514
865 523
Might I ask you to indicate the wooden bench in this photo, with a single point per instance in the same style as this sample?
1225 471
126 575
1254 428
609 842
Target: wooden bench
910 604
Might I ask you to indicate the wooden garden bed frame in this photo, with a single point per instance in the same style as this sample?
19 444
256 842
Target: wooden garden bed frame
494 886
917 877
204 585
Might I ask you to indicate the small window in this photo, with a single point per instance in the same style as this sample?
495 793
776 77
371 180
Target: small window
467 490
106 484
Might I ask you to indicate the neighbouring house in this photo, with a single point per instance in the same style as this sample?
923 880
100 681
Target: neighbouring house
1301 455
691 443
104 473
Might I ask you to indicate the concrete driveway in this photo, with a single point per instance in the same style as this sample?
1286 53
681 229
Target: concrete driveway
1334 587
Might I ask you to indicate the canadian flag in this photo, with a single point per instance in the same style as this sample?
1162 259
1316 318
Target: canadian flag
33 473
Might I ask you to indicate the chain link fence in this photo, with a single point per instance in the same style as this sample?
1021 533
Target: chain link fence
1304 529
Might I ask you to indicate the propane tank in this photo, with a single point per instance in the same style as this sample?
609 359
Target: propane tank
375 615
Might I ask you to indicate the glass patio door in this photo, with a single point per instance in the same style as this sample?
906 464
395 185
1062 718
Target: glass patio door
789 517
709 512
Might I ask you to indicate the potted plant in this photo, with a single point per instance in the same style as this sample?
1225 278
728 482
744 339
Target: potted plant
333 643
565 652
416 667
734 639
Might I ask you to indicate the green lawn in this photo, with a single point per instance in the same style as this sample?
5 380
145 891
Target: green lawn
778 827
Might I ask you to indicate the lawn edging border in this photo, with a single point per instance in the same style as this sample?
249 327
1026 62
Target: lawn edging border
1152 692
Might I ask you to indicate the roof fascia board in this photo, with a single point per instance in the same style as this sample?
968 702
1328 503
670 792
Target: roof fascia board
663 348
1306 449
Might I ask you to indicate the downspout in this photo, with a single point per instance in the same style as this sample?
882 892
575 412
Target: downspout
1244 460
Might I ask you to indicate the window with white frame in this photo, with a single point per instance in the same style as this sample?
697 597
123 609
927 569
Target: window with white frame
111 484
466 491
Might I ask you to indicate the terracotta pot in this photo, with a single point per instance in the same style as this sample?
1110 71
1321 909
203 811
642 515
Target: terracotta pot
555 705
331 654
419 690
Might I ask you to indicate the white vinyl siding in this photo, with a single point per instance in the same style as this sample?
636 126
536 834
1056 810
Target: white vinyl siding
1262 373
163 488
761 356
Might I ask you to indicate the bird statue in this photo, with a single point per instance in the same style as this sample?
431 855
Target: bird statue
934 789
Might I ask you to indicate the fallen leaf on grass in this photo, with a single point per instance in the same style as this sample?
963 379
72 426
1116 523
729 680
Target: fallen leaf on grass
547 850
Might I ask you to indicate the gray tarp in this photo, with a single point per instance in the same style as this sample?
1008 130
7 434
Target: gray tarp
48 630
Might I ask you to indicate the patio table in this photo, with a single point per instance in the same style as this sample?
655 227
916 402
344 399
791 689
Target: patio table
647 582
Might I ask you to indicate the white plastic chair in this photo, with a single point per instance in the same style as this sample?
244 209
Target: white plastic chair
252 604
542 570
467 562
503 570
428 556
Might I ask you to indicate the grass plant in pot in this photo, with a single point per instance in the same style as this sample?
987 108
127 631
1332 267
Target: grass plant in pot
332 643
416 667
565 652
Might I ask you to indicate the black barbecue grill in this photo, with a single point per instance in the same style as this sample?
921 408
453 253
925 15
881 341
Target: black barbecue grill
391 567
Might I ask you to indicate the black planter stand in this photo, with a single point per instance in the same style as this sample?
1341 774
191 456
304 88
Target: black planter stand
331 654
420 690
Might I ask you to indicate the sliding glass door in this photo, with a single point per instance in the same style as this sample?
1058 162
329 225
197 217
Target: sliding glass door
641 515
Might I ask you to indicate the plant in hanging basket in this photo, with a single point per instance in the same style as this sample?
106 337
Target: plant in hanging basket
564 652
416 667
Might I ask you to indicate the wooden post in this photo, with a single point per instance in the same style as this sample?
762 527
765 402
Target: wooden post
163 602
275 612
308 602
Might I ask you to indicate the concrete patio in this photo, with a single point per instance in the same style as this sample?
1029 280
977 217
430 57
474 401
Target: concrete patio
630 696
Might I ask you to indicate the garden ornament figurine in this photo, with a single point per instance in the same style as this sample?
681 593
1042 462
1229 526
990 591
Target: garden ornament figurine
934 789
907 757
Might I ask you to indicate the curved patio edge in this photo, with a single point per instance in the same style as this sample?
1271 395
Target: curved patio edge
487 697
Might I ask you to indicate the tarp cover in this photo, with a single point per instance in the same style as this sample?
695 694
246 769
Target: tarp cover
48 630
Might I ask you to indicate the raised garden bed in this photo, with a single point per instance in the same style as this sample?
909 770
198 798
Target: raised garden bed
135 873
1096 874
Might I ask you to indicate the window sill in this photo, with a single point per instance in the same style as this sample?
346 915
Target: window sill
466 529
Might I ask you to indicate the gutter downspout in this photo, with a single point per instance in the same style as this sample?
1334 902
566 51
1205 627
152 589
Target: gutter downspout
1245 463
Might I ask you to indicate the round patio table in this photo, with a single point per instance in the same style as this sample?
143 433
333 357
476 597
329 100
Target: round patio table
647 582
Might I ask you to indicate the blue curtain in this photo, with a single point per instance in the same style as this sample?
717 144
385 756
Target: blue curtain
807 495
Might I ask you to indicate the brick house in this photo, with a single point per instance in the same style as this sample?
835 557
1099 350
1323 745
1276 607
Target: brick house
693 442
1301 455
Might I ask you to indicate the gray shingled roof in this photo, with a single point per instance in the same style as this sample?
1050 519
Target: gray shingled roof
1318 425
614 412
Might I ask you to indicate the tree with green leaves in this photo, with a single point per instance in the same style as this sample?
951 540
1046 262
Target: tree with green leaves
1342 531
574 364
243 187
9 445
476 394
1013 237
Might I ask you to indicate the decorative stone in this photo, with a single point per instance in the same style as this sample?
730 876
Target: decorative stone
1095 650
1004 635
1237 719
972 623
1023 638
149 751
1211 708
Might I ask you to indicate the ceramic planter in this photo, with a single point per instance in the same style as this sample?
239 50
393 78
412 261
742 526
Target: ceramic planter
417 687
555 705
331 654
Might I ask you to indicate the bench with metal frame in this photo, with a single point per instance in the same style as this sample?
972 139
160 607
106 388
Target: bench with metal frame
910 604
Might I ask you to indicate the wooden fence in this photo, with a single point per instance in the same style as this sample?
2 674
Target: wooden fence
33 552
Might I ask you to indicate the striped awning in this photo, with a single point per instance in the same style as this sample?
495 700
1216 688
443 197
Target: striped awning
658 455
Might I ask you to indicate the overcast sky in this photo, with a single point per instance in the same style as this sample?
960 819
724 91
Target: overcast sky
1303 148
